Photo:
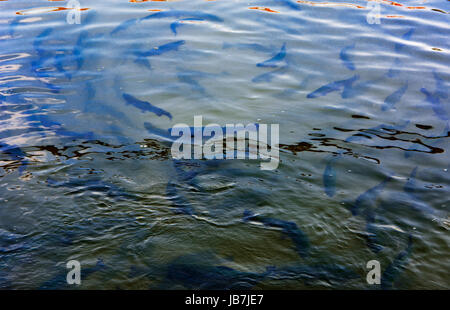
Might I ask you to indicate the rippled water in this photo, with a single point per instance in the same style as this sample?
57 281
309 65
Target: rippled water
364 134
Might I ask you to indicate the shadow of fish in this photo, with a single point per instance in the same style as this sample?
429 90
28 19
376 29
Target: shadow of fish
182 22
145 106
394 98
340 85
290 229
60 280
273 62
395 268
343 55
410 189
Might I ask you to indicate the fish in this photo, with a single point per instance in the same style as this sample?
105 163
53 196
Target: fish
340 85
172 46
272 62
441 89
368 133
60 280
435 103
398 264
183 14
125 25
290 229
343 55
407 36
394 98
78 49
368 198
160 133
145 106
180 22
268 76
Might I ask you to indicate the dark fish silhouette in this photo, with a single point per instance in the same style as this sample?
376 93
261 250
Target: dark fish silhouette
394 269
406 36
172 46
60 280
181 22
435 97
340 85
125 25
290 229
345 58
145 106
394 98
272 62
161 133
434 100
367 199
183 14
